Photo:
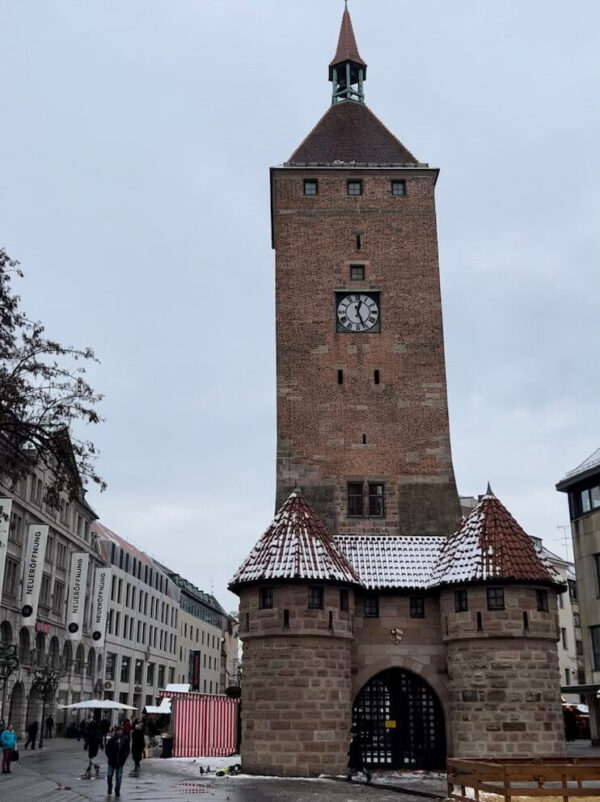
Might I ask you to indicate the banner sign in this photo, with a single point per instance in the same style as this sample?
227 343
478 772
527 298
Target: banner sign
77 591
37 538
5 510
102 579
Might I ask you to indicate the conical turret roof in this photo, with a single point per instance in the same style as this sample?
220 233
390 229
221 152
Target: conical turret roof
490 546
296 546
347 49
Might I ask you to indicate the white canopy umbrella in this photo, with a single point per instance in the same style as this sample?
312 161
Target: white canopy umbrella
97 704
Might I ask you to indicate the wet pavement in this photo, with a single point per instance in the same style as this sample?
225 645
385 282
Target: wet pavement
54 774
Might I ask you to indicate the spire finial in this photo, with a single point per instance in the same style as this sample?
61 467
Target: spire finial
347 71
489 491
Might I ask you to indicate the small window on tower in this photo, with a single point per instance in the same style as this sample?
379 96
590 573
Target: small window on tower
398 188
542 600
315 597
355 187
265 599
495 599
376 499
340 376
417 607
357 272
344 600
461 603
311 187
371 605
355 499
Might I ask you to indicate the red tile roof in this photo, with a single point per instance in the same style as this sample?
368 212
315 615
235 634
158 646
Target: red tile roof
490 546
347 49
350 134
295 547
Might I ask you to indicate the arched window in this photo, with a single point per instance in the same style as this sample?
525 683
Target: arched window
24 646
40 649
68 656
5 632
99 667
80 659
54 653
91 664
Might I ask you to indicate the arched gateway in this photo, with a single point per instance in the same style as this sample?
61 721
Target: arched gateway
400 722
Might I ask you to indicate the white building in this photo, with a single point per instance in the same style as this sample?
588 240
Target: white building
141 631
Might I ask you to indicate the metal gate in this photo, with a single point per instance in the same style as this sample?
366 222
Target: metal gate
400 722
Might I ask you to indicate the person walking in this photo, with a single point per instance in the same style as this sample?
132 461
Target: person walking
8 741
49 726
93 744
138 744
355 758
32 729
117 751
104 729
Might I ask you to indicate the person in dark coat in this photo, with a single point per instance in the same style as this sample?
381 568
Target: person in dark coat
49 726
92 739
117 752
32 729
104 729
355 758
138 744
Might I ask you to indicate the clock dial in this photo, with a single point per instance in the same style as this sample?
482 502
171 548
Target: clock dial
357 311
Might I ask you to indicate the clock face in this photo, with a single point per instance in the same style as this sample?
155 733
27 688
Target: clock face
358 312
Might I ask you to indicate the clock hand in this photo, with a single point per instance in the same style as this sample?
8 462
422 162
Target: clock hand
358 307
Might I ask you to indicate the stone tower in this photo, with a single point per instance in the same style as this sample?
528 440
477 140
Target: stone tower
296 594
499 621
362 418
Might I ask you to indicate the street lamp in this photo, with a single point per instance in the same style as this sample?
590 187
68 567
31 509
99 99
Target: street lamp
9 662
45 682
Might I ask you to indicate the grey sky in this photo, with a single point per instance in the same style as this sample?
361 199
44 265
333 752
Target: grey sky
136 141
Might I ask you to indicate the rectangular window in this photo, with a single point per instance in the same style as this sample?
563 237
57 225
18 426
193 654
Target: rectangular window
344 600
567 676
137 672
461 603
11 577
355 188
398 188
495 598
161 676
61 555
45 591
417 607
579 648
597 568
15 532
355 499
58 598
585 501
542 600
376 497
371 606
357 272
311 186
595 634
576 620
315 597
109 670
572 589
125 663
563 637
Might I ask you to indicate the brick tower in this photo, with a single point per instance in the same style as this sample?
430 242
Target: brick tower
362 418
498 608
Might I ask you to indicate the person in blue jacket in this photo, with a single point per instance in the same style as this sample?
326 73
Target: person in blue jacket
8 741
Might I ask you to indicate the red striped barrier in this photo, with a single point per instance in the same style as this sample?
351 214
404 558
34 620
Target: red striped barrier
203 725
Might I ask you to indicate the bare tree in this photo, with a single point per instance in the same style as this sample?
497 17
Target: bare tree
43 392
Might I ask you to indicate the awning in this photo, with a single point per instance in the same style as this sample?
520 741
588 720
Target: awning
163 709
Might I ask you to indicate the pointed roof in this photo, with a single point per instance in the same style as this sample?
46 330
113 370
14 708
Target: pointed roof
295 547
490 546
350 134
347 49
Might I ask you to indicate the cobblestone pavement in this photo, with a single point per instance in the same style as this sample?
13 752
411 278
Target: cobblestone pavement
53 774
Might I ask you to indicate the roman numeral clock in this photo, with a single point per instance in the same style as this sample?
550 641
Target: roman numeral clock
358 312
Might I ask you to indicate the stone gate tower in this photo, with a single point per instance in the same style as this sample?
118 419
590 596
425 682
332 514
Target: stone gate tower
362 418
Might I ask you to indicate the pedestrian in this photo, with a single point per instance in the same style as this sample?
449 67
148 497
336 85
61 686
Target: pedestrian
32 729
8 741
355 758
49 726
117 751
104 728
127 726
138 744
93 744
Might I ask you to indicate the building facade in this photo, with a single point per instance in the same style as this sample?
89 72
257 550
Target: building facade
39 628
582 486
141 641
367 601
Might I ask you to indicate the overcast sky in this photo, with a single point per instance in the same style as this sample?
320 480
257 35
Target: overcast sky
136 141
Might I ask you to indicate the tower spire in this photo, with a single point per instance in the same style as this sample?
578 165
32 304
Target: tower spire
347 70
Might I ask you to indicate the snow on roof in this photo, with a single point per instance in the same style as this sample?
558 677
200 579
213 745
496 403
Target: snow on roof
387 561
295 546
491 546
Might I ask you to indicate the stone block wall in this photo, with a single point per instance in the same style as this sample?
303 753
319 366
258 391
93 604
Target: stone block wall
504 679
296 699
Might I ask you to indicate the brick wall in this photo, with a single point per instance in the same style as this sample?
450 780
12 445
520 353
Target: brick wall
503 678
297 699
404 419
